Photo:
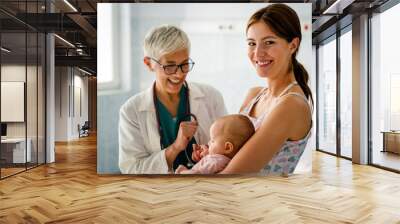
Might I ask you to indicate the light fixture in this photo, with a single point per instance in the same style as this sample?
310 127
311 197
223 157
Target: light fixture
5 50
84 71
80 51
64 40
70 5
337 7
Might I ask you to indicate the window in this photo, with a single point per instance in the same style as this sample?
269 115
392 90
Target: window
22 65
385 88
114 50
327 96
105 40
346 94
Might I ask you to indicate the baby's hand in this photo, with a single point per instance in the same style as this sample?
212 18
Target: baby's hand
196 153
204 150
180 169
199 151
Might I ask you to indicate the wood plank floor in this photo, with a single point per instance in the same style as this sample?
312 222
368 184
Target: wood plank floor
387 159
10 171
70 191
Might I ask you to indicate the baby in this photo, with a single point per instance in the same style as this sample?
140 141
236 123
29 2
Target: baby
228 134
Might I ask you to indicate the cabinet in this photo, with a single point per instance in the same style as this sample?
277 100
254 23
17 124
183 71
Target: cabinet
13 151
391 141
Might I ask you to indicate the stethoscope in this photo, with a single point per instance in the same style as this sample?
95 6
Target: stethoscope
187 114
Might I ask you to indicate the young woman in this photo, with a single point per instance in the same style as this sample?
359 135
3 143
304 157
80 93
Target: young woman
280 112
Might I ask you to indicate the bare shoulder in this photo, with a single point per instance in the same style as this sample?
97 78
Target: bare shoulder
295 103
250 95
297 114
254 90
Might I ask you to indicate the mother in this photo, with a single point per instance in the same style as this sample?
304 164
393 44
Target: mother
281 112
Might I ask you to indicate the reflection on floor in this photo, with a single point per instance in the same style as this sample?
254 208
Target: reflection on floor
10 169
386 159
70 191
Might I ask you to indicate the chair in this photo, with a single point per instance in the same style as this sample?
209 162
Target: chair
84 130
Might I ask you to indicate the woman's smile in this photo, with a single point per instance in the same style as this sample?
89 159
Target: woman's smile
175 81
263 63
175 84
263 66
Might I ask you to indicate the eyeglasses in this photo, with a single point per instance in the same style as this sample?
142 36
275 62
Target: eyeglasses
172 69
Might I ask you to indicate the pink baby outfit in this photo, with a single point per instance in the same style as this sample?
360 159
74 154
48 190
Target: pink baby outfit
209 164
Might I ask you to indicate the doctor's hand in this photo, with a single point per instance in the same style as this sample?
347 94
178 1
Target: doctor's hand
186 131
199 151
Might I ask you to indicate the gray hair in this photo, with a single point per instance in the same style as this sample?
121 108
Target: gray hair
163 40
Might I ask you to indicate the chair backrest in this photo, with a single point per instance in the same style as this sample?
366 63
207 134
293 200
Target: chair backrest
86 125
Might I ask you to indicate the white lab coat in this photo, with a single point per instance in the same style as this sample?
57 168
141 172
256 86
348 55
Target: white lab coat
139 140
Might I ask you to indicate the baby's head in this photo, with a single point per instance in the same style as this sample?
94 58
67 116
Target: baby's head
229 133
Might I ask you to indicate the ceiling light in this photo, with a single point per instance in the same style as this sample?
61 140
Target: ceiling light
84 71
70 5
5 49
337 7
64 40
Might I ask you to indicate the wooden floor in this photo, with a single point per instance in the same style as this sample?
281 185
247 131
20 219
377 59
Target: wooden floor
10 171
70 191
5 172
388 159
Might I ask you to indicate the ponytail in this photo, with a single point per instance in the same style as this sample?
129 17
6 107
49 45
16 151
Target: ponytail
302 77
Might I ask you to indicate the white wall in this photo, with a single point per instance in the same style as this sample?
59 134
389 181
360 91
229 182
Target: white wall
82 83
17 73
79 117
305 163
69 85
61 103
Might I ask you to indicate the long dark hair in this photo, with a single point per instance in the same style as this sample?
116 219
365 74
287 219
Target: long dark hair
285 23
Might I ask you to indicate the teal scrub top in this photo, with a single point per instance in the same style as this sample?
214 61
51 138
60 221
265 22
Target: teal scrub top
170 128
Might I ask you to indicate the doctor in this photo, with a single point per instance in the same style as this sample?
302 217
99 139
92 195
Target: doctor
156 126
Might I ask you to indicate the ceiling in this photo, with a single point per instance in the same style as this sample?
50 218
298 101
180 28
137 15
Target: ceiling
76 22
76 26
